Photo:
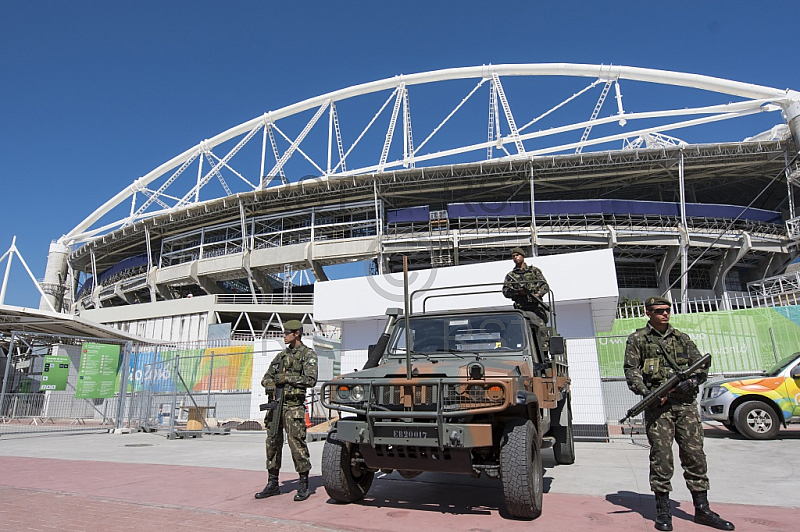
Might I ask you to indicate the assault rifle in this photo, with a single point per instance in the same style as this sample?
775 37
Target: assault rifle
666 388
529 295
276 405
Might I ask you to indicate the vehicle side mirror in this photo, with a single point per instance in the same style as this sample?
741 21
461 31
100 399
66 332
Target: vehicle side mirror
557 345
795 372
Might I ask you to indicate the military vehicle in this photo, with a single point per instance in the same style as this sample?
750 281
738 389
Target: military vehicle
477 392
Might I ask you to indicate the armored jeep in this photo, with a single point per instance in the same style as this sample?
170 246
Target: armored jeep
478 392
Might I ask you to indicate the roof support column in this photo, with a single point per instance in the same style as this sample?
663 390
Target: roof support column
256 276
684 239
534 239
771 265
152 272
792 116
246 252
208 285
720 269
378 227
664 267
95 283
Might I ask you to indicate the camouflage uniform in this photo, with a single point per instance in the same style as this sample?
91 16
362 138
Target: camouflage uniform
300 368
650 358
531 279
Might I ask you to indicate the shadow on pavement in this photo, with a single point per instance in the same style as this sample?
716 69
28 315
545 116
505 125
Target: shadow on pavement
644 505
431 492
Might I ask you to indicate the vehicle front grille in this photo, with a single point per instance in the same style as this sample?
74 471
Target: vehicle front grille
467 397
405 395
455 396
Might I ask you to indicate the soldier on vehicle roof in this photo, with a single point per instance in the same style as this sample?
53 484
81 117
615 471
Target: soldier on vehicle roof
294 369
653 354
526 286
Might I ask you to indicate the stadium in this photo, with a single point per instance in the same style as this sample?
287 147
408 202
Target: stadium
704 220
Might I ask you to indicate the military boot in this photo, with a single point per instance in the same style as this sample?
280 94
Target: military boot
272 487
663 511
704 515
302 488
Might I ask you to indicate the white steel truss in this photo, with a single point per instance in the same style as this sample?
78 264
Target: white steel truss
166 191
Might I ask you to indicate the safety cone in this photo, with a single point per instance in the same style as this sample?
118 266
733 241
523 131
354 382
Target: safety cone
308 420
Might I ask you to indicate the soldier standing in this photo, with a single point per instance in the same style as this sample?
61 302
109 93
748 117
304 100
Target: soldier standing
652 355
294 369
526 286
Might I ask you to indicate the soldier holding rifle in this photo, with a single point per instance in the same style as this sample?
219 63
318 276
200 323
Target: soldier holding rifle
653 354
289 374
526 286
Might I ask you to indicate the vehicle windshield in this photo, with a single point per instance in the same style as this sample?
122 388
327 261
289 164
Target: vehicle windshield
484 333
775 370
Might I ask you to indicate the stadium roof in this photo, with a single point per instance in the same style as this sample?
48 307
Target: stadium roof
727 173
21 319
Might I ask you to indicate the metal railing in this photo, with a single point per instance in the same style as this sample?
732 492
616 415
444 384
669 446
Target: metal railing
776 285
264 299
712 304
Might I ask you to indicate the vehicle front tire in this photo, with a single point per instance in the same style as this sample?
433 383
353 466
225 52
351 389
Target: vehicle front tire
756 420
343 481
521 469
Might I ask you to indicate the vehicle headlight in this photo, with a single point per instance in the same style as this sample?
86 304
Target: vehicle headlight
343 393
357 393
716 391
495 393
475 392
492 392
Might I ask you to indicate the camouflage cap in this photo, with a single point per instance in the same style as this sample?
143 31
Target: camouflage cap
293 325
518 250
655 300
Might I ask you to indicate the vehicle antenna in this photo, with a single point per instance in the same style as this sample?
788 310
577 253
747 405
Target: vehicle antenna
406 311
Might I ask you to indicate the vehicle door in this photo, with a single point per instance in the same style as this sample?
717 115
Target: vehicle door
791 385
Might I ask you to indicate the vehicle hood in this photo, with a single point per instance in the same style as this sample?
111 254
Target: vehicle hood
734 381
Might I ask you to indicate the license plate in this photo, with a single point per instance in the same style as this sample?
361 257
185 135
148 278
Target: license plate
414 432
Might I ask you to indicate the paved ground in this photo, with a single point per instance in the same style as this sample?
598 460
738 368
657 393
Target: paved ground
126 482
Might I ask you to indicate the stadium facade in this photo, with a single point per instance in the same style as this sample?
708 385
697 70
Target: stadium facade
701 220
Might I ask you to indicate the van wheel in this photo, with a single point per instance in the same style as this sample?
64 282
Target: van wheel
521 469
756 420
344 481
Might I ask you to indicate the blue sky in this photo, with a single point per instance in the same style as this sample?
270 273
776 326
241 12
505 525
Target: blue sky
95 94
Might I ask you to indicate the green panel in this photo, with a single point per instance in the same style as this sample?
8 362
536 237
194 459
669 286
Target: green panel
739 340
55 372
98 372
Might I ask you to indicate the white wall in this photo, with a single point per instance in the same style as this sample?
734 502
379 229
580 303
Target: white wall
574 320
361 333
350 302
587 391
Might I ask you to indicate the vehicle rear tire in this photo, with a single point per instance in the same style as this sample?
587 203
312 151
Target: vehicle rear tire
343 481
521 469
564 448
756 420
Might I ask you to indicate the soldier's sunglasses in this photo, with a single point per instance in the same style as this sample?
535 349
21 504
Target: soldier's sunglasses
661 310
